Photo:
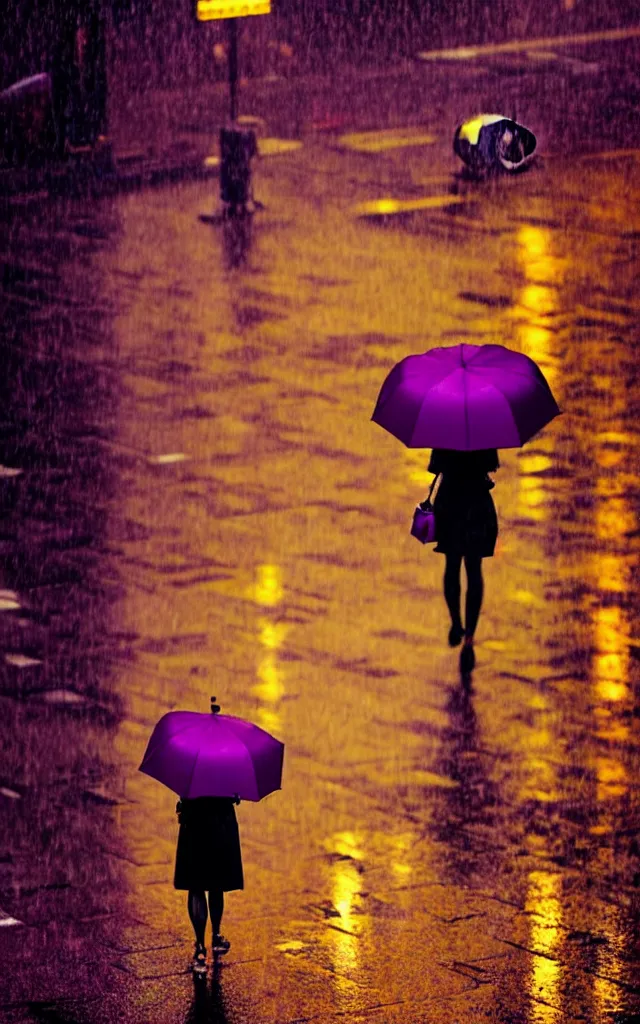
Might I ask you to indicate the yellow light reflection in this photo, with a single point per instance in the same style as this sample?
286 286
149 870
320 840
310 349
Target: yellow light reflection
609 997
269 720
612 778
543 903
534 241
418 460
270 690
542 782
535 340
533 494
272 634
536 302
270 687
610 664
611 658
538 298
346 844
532 497
609 727
608 456
612 573
345 891
400 846
268 592
614 404
387 207
344 939
613 519
534 462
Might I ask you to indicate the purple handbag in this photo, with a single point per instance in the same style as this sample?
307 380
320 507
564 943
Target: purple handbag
423 527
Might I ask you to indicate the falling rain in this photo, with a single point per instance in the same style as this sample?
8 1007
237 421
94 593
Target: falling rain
222 226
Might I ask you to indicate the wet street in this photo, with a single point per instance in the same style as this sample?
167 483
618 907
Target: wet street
195 502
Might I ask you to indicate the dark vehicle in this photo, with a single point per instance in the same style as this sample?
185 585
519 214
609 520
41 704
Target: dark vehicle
27 131
61 111
489 143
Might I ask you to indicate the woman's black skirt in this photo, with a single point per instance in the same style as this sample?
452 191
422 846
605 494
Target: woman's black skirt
208 854
466 522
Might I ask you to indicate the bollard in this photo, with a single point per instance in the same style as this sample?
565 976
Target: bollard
238 146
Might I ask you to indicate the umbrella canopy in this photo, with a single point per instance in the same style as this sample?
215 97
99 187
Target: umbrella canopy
197 754
466 397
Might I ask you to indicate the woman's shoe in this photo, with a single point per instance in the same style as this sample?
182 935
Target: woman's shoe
467 659
199 962
220 945
456 634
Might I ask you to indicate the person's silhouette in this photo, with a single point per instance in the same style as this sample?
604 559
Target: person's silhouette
208 861
466 529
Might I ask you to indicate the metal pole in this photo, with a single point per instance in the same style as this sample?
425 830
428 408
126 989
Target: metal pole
233 67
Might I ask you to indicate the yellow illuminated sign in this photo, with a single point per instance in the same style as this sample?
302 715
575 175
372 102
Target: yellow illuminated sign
215 10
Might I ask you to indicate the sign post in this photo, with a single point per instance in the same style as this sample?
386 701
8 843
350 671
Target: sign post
237 145
232 25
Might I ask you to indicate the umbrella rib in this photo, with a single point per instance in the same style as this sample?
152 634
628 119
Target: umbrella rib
197 757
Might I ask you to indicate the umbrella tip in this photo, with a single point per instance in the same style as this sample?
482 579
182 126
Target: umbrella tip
215 708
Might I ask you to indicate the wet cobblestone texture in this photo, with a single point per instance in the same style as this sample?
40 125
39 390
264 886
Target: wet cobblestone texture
195 502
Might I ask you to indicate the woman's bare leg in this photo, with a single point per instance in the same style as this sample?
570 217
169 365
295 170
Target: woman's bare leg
197 907
452 596
216 906
475 591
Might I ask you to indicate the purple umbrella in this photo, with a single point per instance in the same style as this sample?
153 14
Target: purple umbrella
466 397
198 754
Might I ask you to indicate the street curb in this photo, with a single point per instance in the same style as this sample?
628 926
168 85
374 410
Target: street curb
118 175
84 177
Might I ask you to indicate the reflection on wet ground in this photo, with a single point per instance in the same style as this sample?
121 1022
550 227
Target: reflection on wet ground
203 506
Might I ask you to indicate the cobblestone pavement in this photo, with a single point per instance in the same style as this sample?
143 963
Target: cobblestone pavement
195 502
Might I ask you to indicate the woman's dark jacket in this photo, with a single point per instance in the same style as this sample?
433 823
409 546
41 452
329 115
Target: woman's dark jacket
466 521
208 854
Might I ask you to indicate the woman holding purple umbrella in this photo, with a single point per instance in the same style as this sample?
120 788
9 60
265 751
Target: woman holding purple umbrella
464 402
208 860
467 530
211 761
